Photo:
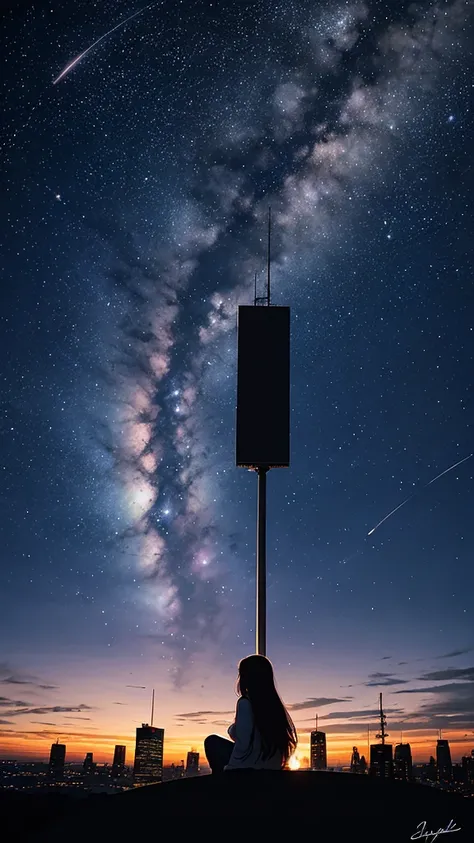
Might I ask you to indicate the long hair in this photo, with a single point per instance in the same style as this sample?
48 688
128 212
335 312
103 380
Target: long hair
274 724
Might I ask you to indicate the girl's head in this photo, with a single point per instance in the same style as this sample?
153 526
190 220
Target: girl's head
256 682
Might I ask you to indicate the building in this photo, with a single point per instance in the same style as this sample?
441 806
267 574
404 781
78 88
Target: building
403 764
381 763
192 763
148 767
118 764
467 762
57 760
88 766
318 757
444 767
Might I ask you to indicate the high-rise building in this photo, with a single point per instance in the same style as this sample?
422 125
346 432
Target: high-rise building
118 764
192 763
88 766
444 766
381 764
403 764
148 767
318 750
57 760
467 762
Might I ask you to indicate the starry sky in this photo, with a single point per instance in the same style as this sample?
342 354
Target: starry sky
135 195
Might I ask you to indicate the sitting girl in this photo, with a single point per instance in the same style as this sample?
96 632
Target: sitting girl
263 736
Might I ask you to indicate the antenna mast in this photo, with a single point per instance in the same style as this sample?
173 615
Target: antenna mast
269 253
316 722
152 705
383 722
265 299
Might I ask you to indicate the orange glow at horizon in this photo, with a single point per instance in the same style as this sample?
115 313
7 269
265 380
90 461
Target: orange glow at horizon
339 748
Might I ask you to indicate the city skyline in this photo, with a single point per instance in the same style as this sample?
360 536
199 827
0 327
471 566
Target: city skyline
136 196
336 744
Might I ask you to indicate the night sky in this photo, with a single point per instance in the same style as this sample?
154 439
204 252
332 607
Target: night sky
135 195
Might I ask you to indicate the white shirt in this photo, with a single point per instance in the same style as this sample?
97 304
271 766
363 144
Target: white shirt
245 752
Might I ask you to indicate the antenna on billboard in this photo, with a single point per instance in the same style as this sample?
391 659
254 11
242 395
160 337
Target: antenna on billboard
265 299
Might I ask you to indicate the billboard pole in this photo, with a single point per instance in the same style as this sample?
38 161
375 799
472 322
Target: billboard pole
261 621
263 412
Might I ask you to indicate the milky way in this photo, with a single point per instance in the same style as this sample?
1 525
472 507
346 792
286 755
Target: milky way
342 156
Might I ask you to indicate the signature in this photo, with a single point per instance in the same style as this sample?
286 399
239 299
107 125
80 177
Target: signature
421 832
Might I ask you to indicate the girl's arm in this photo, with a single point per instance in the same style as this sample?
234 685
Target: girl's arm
242 732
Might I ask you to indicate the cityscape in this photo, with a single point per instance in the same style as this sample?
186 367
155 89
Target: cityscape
147 768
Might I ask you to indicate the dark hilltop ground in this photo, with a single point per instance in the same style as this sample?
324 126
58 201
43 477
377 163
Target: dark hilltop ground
319 806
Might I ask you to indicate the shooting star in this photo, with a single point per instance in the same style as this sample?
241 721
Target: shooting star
442 473
389 515
451 467
102 37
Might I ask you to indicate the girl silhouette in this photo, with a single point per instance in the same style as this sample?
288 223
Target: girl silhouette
263 736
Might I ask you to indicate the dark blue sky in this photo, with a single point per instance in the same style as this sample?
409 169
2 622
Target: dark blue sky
133 220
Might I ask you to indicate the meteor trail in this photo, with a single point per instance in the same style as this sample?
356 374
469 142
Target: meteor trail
451 467
81 56
389 514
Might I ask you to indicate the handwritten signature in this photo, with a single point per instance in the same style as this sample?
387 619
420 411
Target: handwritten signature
421 832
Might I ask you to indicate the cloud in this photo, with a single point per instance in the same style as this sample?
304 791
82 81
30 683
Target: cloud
6 701
76 718
191 715
372 713
377 680
455 653
12 680
10 676
65 735
438 689
450 673
316 702
450 704
51 709
6 722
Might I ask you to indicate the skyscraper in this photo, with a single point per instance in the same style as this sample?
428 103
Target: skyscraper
148 767
88 767
467 762
403 761
192 763
381 763
444 766
318 750
118 764
57 759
